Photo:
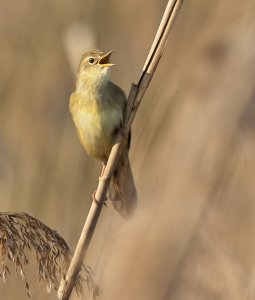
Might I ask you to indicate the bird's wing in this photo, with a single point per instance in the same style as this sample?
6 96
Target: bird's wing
118 95
121 99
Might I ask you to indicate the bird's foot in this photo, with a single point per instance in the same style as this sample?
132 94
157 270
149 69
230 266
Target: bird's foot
94 198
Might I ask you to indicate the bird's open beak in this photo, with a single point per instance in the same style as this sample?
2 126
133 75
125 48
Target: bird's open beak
104 61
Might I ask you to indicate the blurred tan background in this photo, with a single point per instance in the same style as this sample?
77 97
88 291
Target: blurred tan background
193 236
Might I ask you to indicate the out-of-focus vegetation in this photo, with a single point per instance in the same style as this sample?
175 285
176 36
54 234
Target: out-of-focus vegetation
192 153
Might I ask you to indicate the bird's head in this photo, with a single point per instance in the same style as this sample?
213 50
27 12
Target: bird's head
94 67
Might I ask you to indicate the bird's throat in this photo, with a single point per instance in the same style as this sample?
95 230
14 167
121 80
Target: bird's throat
93 80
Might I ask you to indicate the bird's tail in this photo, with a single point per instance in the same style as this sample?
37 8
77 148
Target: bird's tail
122 190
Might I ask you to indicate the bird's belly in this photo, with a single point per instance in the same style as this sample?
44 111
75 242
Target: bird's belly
96 129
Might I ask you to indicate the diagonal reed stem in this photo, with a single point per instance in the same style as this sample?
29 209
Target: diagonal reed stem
134 100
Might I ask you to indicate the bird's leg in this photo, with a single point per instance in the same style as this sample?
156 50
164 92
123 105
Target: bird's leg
100 178
103 168
122 131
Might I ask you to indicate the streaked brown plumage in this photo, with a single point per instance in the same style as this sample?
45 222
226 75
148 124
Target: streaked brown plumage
97 107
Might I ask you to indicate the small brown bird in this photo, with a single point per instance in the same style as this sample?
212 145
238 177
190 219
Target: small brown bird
97 108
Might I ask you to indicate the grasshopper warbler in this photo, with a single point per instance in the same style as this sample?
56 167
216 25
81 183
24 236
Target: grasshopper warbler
97 106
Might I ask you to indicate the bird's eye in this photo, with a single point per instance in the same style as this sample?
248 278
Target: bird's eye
91 60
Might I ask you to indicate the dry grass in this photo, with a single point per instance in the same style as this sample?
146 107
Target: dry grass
22 233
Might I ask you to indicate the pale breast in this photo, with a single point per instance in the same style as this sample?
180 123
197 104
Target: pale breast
96 121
